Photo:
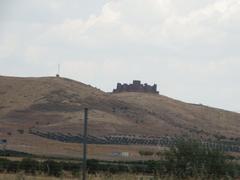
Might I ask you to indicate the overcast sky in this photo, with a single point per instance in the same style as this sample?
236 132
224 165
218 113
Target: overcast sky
190 48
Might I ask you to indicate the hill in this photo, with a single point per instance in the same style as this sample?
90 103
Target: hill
37 111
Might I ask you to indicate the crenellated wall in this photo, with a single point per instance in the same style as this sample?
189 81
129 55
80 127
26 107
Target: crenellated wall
136 86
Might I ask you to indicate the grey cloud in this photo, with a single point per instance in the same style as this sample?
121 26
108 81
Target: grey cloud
46 11
189 48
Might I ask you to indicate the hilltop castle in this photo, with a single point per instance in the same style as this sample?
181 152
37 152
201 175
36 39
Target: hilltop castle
136 86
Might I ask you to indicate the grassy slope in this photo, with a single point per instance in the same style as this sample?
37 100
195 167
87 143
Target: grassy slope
55 104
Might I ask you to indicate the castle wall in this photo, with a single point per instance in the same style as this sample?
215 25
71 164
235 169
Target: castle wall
136 86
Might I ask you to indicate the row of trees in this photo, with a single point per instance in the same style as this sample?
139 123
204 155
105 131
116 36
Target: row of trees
190 158
185 159
30 166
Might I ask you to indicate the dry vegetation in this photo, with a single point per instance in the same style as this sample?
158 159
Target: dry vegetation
21 176
55 104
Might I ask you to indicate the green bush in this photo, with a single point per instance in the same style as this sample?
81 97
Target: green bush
52 168
29 165
13 166
190 158
4 163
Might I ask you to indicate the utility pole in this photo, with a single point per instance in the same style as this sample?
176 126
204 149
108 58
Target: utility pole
85 144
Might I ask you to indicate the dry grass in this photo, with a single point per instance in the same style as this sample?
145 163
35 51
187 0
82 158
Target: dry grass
21 176
146 115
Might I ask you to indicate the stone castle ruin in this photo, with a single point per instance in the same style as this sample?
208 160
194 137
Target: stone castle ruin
136 86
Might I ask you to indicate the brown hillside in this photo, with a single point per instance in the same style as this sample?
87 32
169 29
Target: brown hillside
55 104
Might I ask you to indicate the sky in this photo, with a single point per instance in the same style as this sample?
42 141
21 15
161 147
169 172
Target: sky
190 48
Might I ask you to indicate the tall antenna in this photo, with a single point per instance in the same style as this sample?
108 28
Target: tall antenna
58 73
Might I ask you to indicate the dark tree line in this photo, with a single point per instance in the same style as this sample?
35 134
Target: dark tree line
184 159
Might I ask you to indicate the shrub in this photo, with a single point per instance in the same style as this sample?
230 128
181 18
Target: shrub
146 153
9 133
13 166
20 131
4 164
52 168
190 158
29 165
